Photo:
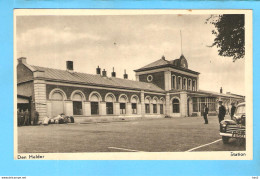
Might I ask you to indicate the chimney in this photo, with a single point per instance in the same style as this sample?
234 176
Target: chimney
125 75
98 70
69 65
113 74
22 60
104 73
221 90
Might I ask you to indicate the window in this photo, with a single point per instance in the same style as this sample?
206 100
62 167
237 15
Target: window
173 82
161 108
154 108
134 108
189 84
77 104
193 85
147 108
122 108
175 106
179 82
109 107
77 108
184 83
94 103
149 78
212 104
94 108
195 104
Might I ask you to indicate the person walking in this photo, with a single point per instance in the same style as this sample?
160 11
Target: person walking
233 109
205 114
221 111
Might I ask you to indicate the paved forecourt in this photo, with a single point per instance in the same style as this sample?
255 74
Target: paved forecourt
148 135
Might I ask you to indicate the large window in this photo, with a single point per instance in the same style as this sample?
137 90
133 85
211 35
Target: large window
109 107
161 108
134 108
77 104
199 103
193 85
122 108
123 101
212 104
94 108
179 82
173 81
110 98
154 108
147 108
175 106
195 104
189 84
77 108
95 98
184 83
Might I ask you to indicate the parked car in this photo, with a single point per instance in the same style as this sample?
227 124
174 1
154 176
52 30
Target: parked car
235 127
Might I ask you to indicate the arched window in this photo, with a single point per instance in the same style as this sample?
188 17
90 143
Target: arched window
155 105
193 85
189 84
94 99
77 104
57 97
179 83
134 101
122 102
147 105
175 106
173 82
184 83
110 99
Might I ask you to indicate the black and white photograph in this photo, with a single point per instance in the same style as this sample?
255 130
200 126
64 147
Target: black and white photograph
133 84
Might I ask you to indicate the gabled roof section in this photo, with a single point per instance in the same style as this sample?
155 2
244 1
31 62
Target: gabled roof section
180 64
96 80
159 62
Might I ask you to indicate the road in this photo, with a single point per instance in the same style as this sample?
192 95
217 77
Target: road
148 135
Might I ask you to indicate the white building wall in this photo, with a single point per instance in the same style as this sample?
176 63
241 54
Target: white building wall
40 98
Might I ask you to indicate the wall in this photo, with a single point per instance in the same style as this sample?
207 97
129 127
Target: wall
158 79
69 89
23 73
25 89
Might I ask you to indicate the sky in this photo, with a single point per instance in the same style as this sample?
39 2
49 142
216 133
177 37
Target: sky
127 42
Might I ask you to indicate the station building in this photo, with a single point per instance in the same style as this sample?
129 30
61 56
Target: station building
162 88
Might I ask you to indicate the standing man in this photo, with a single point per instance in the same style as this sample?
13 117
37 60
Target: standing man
233 108
221 111
26 117
205 114
18 117
22 117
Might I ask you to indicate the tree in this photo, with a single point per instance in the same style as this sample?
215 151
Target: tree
230 34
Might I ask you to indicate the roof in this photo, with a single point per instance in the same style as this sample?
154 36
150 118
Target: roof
165 63
220 94
76 77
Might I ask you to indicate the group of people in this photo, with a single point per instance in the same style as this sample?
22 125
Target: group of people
24 118
221 112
